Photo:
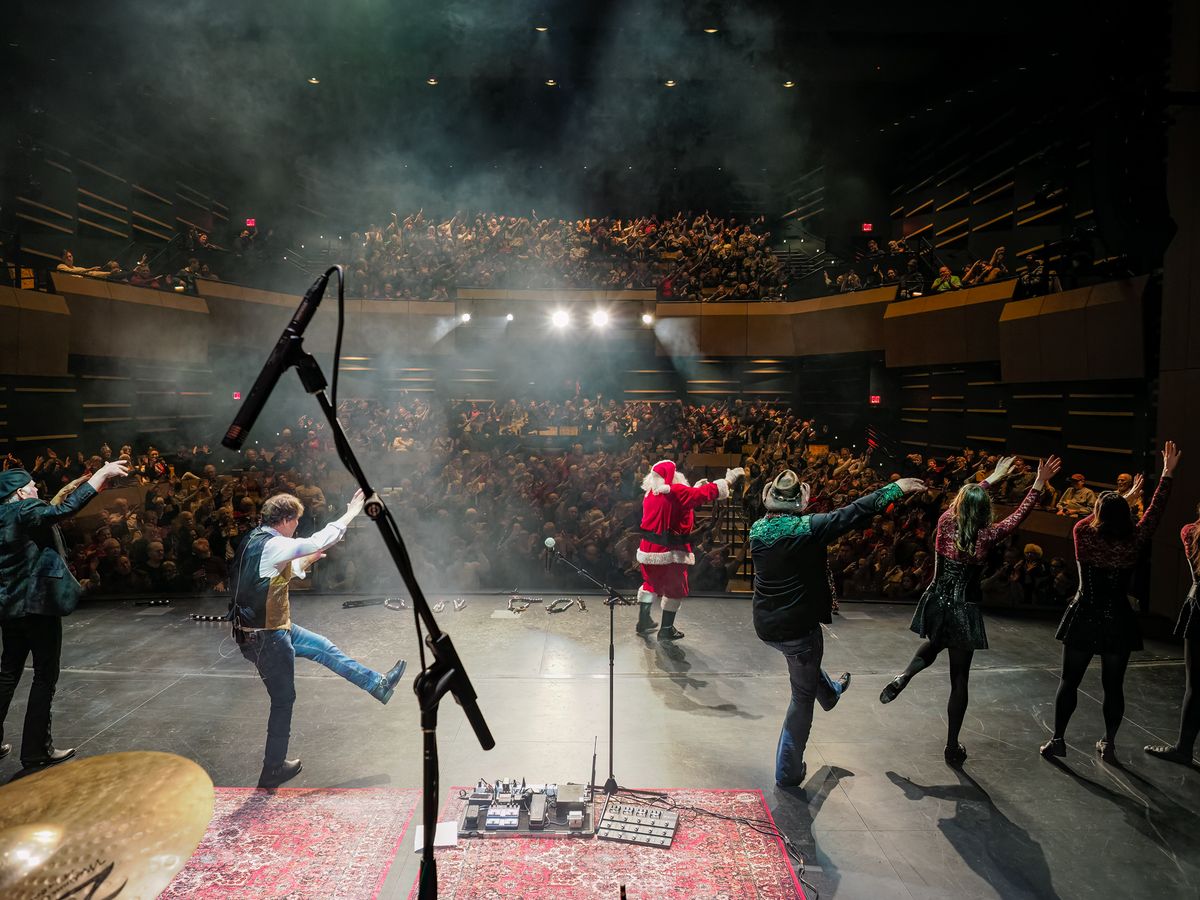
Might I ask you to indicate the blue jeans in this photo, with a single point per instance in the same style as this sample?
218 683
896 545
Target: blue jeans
274 655
809 683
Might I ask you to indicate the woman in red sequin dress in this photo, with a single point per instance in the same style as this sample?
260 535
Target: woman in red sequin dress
1100 619
948 615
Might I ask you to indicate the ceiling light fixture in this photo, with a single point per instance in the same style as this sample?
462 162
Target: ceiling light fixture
711 30
313 79
550 82
541 28
670 82
789 84
431 80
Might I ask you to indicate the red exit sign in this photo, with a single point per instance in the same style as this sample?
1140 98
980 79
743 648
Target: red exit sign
868 227
876 399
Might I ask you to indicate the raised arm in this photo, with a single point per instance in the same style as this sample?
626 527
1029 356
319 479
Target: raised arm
691 497
1047 469
832 525
38 513
1153 515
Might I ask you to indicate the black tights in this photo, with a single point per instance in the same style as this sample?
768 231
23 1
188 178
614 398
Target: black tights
960 674
1112 678
1189 718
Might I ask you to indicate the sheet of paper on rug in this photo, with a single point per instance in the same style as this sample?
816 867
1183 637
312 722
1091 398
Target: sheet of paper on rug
445 835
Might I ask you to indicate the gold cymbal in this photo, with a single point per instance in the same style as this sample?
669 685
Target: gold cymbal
120 825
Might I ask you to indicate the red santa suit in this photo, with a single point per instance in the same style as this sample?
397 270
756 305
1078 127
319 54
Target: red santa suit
668 514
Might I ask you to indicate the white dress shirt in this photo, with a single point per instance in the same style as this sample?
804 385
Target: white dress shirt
280 550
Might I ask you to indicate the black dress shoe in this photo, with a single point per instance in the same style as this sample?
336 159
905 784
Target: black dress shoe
669 634
276 775
53 758
5 749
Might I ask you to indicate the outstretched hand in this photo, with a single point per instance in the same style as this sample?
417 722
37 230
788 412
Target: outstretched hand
1135 491
355 506
1047 469
910 485
1171 454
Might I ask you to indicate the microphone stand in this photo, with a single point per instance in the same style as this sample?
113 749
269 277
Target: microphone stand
445 674
612 602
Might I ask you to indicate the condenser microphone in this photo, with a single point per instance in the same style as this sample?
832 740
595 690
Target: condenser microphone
549 554
275 365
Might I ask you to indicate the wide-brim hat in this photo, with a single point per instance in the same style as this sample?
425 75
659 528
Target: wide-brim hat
11 481
787 493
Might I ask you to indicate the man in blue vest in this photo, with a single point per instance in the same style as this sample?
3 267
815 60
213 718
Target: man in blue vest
268 558
36 591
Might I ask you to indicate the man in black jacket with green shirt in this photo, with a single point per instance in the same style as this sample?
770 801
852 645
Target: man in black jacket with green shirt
36 591
792 598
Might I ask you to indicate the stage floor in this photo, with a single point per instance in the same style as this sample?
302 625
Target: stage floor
881 817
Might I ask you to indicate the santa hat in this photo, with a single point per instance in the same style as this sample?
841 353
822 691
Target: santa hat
660 478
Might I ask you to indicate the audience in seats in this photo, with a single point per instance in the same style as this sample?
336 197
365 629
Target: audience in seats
1077 500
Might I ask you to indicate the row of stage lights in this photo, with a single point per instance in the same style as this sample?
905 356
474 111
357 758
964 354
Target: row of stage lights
560 318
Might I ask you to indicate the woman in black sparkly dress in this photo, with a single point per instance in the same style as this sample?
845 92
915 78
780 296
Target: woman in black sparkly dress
1100 621
948 615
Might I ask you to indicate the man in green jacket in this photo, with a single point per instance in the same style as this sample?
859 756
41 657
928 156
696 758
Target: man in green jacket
36 591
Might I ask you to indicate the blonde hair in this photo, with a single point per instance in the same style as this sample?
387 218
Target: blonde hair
280 508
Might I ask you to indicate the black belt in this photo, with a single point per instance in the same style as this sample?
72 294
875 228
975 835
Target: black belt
674 541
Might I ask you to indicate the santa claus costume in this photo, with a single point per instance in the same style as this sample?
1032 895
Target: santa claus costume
668 514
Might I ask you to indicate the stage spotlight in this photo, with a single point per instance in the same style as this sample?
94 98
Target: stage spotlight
466 317
599 318
508 318
647 319
560 319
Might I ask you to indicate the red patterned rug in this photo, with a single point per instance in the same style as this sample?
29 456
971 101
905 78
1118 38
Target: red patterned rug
297 843
710 858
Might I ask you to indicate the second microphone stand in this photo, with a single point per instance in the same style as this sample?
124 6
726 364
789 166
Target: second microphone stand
614 599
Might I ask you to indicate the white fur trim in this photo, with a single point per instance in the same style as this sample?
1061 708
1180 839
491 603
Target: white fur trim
655 484
645 596
671 604
665 558
722 489
680 478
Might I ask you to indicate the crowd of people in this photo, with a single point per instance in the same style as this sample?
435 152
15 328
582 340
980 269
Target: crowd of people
685 256
915 272
485 484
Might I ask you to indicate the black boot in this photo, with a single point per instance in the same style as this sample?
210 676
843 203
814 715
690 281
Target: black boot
668 631
645 624
274 776
387 685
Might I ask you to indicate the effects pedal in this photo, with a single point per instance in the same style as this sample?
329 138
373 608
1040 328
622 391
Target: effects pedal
638 825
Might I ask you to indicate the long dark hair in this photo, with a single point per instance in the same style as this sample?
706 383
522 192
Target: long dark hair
972 510
1192 545
1111 517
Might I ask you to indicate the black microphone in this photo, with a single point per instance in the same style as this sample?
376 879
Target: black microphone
276 363
549 554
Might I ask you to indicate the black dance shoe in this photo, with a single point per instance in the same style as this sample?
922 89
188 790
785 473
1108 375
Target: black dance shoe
669 634
274 776
52 758
1054 747
1107 751
955 756
1169 752
892 690
5 749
